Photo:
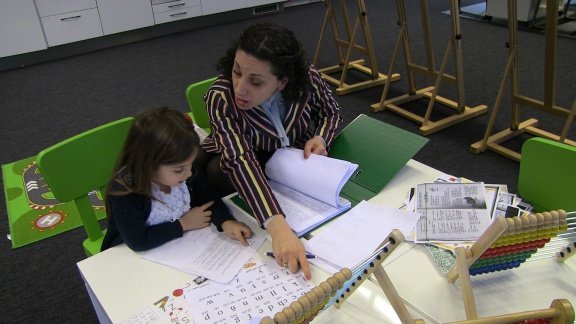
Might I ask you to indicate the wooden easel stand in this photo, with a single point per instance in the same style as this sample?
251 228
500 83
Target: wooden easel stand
493 141
345 47
462 112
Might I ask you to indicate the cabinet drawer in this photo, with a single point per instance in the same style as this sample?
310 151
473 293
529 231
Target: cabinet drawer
173 15
72 27
56 7
175 5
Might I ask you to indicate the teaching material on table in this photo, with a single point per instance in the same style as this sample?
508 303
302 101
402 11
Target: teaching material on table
205 252
308 190
451 211
348 280
566 252
379 149
261 289
319 176
356 234
506 244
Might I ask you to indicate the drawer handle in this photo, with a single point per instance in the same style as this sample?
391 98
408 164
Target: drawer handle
179 14
71 18
176 5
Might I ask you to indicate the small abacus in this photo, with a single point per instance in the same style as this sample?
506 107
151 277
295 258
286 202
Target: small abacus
305 308
567 252
506 244
335 290
560 312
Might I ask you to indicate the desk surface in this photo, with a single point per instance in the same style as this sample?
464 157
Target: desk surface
532 286
121 283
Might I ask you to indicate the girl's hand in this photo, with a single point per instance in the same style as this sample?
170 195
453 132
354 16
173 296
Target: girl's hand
237 230
315 145
197 217
287 248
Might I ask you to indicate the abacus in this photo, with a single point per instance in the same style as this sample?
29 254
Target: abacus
567 252
559 312
336 289
506 244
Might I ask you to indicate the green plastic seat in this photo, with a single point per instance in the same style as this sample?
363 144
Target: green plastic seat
547 176
81 164
195 97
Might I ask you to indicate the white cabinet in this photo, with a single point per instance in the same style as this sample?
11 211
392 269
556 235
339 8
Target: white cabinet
56 7
67 21
20 30
118 16
214 6
33 25
170 10
253 3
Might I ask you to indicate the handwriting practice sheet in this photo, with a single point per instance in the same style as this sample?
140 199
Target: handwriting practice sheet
205 252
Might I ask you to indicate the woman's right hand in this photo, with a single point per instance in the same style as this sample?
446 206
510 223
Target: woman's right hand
287 248
197 217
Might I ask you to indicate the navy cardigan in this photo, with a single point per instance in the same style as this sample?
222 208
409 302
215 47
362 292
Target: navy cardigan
127 217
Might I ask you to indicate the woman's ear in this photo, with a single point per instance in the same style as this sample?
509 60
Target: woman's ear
282 84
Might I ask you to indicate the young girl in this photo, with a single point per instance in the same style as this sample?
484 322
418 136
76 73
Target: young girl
156 194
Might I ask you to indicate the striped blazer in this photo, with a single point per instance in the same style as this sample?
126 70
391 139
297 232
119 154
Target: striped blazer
237 134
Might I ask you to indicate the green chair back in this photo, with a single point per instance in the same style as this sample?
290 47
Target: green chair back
81 164
195 97
547 177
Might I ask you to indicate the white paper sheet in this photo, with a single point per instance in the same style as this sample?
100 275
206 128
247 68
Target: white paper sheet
205 252
451 211
318 176
356 234
261 289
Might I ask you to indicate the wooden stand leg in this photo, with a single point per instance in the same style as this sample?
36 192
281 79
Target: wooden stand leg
346 63
493 141
462 112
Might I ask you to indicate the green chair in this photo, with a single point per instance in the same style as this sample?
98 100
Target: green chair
195 96
547 177
81 164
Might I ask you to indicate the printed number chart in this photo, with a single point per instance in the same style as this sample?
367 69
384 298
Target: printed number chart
260 289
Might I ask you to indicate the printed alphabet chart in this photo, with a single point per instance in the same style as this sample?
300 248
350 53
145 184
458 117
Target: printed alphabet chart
171 308
261 289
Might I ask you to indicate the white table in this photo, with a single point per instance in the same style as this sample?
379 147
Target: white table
532 286
120 283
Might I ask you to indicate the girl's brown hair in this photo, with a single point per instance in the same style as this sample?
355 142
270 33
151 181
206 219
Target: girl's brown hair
157 136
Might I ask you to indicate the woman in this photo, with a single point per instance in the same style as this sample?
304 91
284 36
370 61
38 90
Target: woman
267 97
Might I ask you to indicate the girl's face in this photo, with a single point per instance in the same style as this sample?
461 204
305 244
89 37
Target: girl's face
253 81
172 175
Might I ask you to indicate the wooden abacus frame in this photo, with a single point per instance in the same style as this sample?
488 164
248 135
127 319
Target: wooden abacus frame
560 312
502 232
463 112
493 141
567 252
336 289
348 45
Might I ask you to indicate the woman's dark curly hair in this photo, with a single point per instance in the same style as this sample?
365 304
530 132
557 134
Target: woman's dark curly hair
278 46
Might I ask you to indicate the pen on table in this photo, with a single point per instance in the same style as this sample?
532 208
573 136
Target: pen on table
308 255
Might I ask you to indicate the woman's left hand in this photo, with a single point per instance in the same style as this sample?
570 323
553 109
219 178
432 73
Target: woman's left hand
237 231
315 145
